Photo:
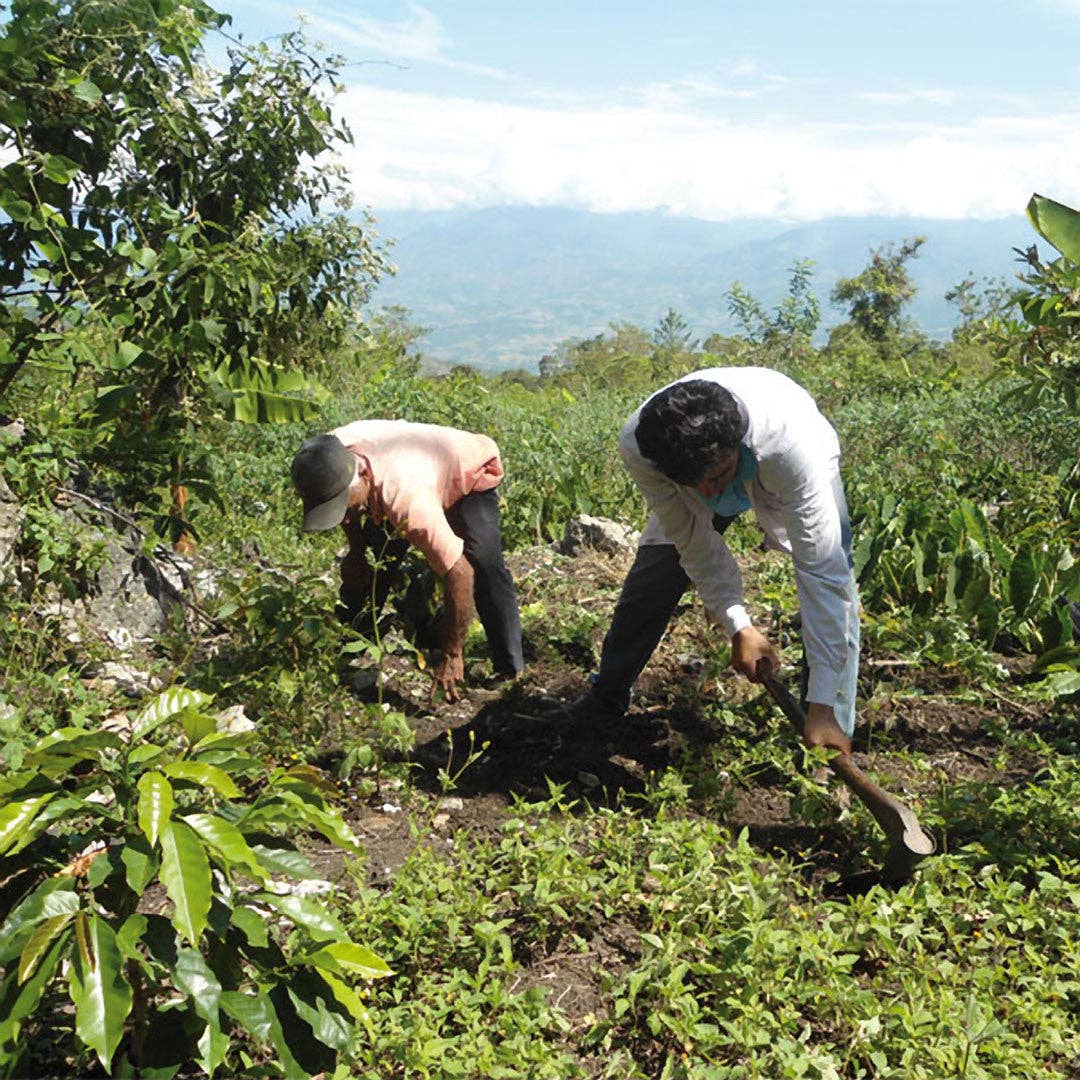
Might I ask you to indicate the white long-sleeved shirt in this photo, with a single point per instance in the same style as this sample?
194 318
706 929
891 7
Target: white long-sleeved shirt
798 501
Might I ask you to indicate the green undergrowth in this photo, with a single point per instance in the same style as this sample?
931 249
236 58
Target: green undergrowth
685 953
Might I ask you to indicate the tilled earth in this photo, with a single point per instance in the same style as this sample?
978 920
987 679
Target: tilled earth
509 740
920 729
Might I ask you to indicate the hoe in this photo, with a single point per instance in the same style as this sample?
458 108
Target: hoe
909 842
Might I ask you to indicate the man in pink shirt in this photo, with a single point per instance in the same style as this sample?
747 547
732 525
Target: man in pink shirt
434 486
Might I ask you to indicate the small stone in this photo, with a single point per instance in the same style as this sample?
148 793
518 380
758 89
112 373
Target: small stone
584 533
233 720
451 804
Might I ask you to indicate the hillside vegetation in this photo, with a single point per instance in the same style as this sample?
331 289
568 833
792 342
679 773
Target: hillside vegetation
265 852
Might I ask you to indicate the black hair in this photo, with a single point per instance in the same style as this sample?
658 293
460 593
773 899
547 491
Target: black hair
686 426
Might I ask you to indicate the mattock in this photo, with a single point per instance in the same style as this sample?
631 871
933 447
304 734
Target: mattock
909 842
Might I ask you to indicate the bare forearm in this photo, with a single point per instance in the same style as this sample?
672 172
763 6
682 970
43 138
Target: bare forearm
458 604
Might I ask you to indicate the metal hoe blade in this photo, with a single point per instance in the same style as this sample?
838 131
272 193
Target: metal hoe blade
909 842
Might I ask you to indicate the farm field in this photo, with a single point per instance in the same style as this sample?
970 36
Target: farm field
240 837
682 895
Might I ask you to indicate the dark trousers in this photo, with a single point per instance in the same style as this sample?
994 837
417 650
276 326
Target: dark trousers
398 569
475 518
650 594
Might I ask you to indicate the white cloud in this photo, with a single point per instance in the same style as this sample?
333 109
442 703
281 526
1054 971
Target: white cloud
418 37
699 91
908 97
414 150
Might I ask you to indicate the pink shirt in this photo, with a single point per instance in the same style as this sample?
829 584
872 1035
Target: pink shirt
418 471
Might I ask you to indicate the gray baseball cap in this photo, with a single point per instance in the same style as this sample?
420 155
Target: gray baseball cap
322 471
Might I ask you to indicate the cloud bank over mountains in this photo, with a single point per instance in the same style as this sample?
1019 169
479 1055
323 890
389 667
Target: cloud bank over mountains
419 151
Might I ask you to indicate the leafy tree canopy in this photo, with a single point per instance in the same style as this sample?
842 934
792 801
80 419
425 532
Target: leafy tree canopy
176 237
876 296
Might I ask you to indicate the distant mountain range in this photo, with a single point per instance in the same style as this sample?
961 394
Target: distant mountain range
500 287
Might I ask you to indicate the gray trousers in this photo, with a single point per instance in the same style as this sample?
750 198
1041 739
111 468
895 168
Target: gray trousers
650 594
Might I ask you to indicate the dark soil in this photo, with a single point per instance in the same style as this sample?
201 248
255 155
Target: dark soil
509 741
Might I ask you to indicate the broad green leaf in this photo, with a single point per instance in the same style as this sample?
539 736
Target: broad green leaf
977 591
1063 683
950 585
127 352
45 933
64 748
988 620
197 724
251 1011
101 994
213 1045
257 1015
284 861
204 775
25 782
193 977
328 822
251 924
18 1000
56 896
165 706
223 740
1023 578
60 169
346 996
185 872
264 407
13 113
156 801
111 399
349 956
978 528
227 841
129 936
17 816
145 753
140 863
313 916
49 250
1057 223
17 209
314 777
301 1053
310 997
86 91
918 559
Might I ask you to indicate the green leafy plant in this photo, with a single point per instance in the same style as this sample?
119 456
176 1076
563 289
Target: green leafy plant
168 244
960 565
145 867
1048 360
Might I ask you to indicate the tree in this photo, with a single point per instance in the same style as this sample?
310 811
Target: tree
793 321
621 358
175 241
673 334
673 343
876 297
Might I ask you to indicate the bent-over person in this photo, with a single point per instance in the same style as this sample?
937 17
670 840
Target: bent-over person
435 488
703 450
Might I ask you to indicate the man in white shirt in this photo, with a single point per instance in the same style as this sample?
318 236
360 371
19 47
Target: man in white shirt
702 450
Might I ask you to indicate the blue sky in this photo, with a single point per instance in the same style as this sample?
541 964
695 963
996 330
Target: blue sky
720 110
